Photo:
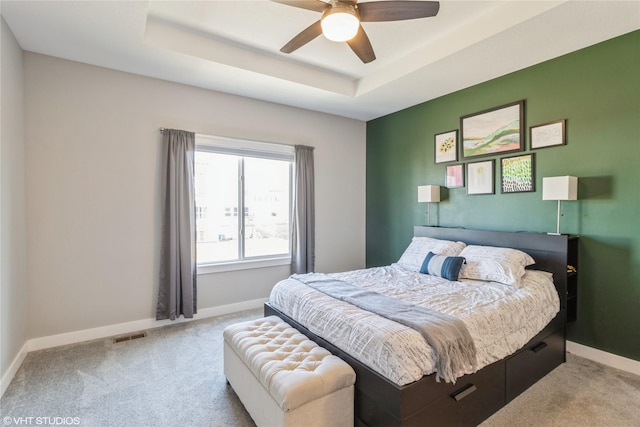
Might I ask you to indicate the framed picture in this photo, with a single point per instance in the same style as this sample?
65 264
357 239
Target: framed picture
517 174
446 146
548 134
455 176
480 178
494 131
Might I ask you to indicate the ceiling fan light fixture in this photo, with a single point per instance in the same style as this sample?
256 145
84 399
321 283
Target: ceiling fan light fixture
340 23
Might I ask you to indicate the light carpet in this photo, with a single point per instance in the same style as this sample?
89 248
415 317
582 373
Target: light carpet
174 377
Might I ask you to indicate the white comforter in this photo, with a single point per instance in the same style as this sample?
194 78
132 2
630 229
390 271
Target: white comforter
500 318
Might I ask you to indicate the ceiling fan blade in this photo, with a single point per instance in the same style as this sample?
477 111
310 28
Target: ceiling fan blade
304 37
382 11
315 5
361 46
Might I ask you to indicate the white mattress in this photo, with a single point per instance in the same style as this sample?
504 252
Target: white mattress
500 318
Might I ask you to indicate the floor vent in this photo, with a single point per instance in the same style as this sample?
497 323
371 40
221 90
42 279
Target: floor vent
123 338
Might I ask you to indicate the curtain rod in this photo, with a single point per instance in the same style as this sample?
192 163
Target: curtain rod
163 129
238 139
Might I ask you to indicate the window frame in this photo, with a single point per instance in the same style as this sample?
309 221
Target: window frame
243 148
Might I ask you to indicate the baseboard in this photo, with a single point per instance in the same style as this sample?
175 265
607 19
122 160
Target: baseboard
113 330
609 359
581 350
13 368
135 326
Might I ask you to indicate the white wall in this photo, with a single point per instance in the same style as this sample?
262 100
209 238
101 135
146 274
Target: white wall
93 161
13 259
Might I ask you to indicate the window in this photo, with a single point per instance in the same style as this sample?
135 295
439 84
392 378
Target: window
253 178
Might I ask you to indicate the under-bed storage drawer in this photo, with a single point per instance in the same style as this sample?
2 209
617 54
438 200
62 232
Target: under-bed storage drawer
533 362
469 401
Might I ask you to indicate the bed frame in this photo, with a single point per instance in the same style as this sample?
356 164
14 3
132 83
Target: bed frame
475 397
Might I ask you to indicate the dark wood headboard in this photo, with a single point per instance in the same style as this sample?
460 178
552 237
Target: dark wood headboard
549 251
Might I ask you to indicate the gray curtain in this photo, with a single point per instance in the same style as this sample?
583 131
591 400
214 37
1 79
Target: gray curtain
303 240
177 291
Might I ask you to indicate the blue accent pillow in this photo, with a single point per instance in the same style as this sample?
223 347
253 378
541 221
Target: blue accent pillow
447 267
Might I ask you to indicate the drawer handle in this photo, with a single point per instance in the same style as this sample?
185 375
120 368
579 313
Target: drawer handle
540 346
464 393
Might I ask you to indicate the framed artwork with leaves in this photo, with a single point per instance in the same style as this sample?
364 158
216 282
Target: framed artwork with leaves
446 146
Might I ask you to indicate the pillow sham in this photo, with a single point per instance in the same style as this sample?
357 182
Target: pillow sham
419 247
447 267
495 264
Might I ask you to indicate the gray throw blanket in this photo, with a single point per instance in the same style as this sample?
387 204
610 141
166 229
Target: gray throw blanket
447 335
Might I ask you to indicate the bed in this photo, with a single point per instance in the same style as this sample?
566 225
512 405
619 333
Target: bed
411 398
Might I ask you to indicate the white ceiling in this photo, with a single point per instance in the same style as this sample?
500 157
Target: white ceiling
233 46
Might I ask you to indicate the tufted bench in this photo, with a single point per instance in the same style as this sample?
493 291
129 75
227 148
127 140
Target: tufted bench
284 379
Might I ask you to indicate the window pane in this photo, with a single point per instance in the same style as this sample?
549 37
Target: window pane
267 209
216 207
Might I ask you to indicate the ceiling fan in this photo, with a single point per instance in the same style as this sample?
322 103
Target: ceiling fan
341 20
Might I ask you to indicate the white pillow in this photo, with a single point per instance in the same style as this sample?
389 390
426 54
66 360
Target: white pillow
502 265
419 247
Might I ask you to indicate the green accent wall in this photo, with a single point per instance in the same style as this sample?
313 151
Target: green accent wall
597 90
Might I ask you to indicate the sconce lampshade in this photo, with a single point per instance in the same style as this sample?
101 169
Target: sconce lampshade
428 193
560 188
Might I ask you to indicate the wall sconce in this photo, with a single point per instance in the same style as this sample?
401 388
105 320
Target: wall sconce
428 194
559 188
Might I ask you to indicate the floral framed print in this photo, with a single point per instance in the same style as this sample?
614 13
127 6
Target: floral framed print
494 131
446 146
480 178
455 176
517 174
548 134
